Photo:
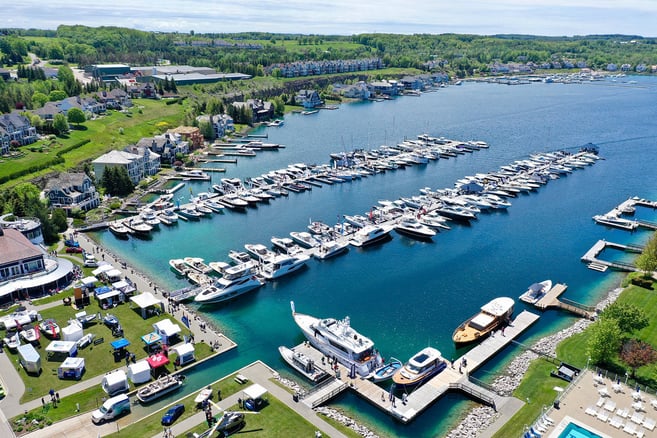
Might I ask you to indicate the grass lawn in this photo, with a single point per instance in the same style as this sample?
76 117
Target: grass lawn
98 358
536 388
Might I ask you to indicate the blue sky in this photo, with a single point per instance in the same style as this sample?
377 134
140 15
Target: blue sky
345 17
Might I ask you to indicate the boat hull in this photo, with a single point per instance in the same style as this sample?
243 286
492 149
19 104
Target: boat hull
302 364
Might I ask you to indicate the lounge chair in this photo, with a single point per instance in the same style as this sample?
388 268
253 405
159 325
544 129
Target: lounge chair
539 427
603 392
649 424
638 406
617 388
601 401
623 413
639 433
616 421
533 431
610 406
592 411
548 420
653 402
629 428
637 396
637 418
602 416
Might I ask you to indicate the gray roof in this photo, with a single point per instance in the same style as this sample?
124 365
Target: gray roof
66 180
116 157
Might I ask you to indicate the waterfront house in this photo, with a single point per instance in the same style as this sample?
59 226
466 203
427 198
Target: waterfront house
388 88
191 134
70 191
221 123
308 98
167 146
261 110
356 91
612 67
15 127
412 83
133 164
150 161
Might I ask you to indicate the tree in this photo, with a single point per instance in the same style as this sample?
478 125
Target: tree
58 218
605 340
60 124
76 115
39 99
629 317
637 353
56 95
206 130
647 261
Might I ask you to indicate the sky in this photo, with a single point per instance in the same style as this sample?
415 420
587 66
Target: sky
344 17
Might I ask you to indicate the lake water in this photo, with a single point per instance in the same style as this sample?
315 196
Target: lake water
407 294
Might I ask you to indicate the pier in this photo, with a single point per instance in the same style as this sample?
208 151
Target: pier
451 378
551 300
591 256
628 207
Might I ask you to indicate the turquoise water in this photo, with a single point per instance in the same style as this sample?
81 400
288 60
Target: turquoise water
575 431
407 294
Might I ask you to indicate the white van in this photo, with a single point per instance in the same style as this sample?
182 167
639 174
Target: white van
111 409
90 260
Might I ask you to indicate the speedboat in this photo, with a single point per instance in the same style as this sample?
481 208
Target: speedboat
337 339
19 318
169 215
303 364
370 234
304 238
85 319
159 388
286 245
276 123
190 212
138 226
197 264
119 229
199 278
203 209
434 220
420 368
149 216
260 252
232 200
179 267
491 316
331 248
456 212
283 264
219 267
239 257
410 226
386 370
536 291
30 334
214 205
50 328
12 340
318 228
615 221
236 281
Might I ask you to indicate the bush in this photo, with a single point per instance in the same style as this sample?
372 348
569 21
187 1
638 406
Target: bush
115 204
645 283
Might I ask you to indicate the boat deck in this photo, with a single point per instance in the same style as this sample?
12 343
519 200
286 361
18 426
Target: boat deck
451 378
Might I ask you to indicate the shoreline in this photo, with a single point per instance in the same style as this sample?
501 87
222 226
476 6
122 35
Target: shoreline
480 419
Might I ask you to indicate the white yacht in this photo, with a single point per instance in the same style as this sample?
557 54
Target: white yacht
149 216
536 291
282 265
260 252
370 234
336 338
330 248
421 367
197 264
137 225
615 221
169 215
286 245
410 226
304 238
236 281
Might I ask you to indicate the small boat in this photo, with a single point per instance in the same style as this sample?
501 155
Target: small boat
214 205
119 229
420 368
283 265
110 320
260 252
159 388
331 248
179 267
190 212
233 201
84 318
12 340
304 238
536 291
138 226
197 264
85 340
50 328
369 235
386 371
276 123
199 278
616 221
318 228
149 216
203 209
309 112
286 245
239 257
492 315
30 334
303 364
203 395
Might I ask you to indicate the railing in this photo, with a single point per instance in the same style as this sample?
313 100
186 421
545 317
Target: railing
477 394
317 388
578 305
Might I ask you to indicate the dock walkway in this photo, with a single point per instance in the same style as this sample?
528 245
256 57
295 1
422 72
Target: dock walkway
417 401
551 299
591 256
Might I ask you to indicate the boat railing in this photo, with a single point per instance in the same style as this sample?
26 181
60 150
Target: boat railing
578 305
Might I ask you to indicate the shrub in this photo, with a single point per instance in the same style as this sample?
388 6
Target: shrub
115 204
645 283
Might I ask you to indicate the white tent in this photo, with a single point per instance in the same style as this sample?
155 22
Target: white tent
113 275
71 368
102 268
166 329
123 286
72 332
255 391
185 353
139 372
67 348
115 383
146 300
89 281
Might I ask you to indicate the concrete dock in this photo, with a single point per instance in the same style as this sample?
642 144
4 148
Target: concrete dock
552 300
452 378
591 256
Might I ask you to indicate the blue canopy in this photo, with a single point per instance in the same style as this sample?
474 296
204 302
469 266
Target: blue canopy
102 290
120 343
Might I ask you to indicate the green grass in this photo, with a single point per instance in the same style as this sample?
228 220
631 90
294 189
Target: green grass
98 358
536 388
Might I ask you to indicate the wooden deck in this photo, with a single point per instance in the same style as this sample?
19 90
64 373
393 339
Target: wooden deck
421 398
551 300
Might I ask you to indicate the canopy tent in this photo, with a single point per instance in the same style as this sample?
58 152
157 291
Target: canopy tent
157 360
166 329
120 343
145 301
102 290
72 332
185 353
139 372
151 339
124 287
89 281
111 293
71 368
56 348
255 391
104 267
113 275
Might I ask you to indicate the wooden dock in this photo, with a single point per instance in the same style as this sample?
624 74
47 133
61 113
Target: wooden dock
591 256
551 300
450 379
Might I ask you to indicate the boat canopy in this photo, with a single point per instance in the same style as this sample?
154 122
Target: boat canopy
498 306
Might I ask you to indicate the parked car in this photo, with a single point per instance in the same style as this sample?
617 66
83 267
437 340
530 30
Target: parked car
172 414
74 249
71 243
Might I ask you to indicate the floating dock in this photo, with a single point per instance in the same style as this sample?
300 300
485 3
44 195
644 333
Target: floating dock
551 300
451 378
591 256
628 207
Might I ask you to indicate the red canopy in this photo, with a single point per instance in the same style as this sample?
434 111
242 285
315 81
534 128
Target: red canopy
157 360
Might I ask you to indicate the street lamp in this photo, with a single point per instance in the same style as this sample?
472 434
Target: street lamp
626 376
587 362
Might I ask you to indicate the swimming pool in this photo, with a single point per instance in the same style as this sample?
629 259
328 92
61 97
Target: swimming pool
575 431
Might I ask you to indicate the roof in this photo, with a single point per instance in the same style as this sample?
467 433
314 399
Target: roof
498 306
14 246
145 300
120 343
166 327
73 362
116 157
255 391
66 180
183 349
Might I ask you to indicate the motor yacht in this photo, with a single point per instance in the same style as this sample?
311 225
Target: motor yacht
491 316
119 230
616 221
260 252
282 265
197 264
536 291
304 238
286 245
236 281
421 367
239 257
370 234
330 248
303 364
410 226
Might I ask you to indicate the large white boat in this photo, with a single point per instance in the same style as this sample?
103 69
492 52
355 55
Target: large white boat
137 225
370 234
491 316
159 388
227 287
616 221
421 367
410 226
197 264
168 216
536 291
331 248
282 265
303 364
337 339
149 216
190 212
304 238
179 267
119 229
286 245
260 252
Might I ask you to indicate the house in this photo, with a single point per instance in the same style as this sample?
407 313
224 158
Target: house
221 123
47 112
261 110
150 161
15 127
72 190
308 98
191 134
412 83
18 256
355 91
167 146
133 163
388 88
626 67
641 68
114 99
83 103
612 67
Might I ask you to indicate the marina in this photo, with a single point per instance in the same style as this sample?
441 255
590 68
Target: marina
405 407
597 264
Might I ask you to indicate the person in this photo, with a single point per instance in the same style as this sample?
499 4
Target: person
218 394
57 397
